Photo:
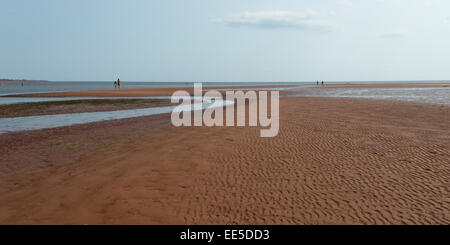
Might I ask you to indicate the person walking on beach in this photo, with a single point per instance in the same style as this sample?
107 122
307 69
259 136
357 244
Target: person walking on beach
115 84
118 83
317 83
322 82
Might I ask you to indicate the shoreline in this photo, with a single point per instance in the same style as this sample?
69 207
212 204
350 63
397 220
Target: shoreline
137 92
335 161
146 92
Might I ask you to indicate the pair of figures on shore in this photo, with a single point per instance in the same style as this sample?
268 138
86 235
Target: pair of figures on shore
318 83
117 84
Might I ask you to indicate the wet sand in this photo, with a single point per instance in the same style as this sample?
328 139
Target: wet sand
388 85
138 92
77 106
335 161
143 92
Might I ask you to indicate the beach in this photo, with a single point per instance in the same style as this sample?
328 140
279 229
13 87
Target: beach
334 161
142 92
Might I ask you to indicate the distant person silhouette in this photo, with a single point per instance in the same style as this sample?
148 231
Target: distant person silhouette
118 83
115 84
322 82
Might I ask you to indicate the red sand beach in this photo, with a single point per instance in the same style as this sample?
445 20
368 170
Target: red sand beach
335 161
139 92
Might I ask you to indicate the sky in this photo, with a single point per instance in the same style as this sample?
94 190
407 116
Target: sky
225 40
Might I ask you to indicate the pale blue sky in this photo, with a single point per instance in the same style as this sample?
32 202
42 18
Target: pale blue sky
225 40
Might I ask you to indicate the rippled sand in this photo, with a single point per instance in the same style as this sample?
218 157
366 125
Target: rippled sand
335 161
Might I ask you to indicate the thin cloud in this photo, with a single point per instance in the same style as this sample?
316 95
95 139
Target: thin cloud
393 35
346 3
307 20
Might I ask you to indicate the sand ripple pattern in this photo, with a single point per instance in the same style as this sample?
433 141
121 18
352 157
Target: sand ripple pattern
330 165
335 161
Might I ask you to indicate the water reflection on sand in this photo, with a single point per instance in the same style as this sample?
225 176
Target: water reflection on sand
438 95
58 120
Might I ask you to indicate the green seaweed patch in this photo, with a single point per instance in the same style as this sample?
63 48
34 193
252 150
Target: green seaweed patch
19 183
88 101
107 144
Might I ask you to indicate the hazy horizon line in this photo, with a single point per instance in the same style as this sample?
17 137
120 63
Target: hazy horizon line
304 81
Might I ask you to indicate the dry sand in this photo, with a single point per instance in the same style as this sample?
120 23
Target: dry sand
335 161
